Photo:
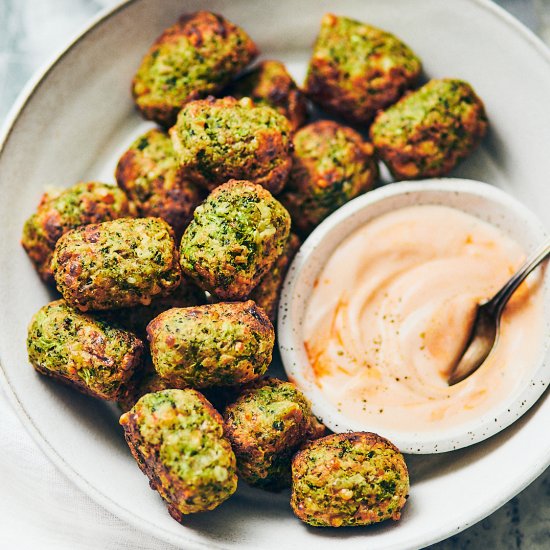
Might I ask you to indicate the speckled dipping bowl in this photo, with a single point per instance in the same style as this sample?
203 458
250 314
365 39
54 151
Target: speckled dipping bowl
481 200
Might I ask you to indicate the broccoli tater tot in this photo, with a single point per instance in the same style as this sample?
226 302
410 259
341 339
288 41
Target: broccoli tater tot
332 164
149 173
115 264
61 210
220 139
427 132
266 425
349 479
357 69
197 56
219 344
85 352
176 437
235 237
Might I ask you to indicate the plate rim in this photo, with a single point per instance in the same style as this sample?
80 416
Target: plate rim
143 524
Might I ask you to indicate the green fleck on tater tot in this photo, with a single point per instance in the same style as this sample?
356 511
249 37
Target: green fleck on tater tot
176 437
213 345
235 237
197 56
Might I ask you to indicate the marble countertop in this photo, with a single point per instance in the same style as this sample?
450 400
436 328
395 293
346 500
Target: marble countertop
31 31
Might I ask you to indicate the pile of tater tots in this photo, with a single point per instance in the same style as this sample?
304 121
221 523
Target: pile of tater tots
169 281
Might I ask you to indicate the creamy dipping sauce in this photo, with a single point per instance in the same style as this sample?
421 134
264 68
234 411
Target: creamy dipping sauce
393 306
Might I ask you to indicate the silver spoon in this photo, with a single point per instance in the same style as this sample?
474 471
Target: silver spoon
485 328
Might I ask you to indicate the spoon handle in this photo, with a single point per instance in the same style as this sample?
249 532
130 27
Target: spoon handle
500 299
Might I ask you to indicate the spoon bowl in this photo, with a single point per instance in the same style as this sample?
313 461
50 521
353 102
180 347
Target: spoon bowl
485 328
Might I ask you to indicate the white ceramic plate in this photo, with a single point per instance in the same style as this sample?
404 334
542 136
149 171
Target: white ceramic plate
78 119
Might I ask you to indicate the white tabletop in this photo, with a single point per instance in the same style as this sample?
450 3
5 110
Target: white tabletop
39 508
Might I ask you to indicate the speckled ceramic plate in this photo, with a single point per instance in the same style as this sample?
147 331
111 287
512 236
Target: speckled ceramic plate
75 121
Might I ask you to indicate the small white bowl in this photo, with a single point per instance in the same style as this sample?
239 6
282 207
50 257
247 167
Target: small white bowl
478 199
